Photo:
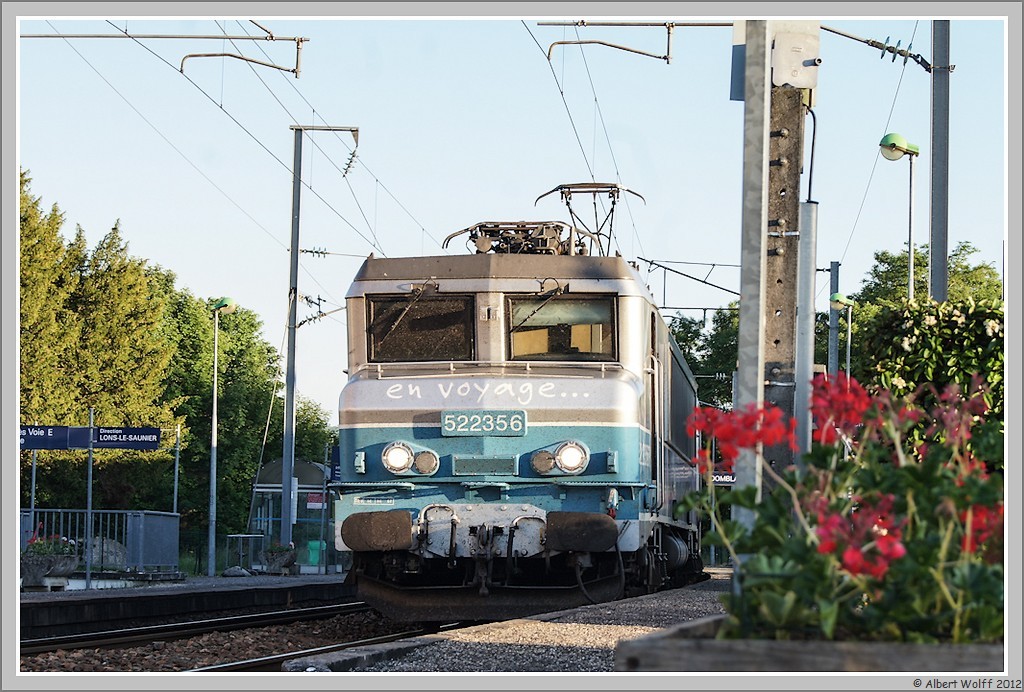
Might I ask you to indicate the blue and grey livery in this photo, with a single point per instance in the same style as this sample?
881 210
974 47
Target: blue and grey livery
512 433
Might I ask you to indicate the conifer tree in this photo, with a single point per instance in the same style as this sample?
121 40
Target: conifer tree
123 355
122 360
49 329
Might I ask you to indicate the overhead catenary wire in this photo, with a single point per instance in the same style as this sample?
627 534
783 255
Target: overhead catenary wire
252 136
182 154
176 149
611 150
561 92
579 141
344 173
352 160
168 141
273 393
874 162
676 271
375 243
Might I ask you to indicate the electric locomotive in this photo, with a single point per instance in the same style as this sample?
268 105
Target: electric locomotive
513 430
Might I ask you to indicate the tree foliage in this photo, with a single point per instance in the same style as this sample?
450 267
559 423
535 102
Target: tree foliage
711 352
49 327
882 295
886 282
885 288
122 355
103 329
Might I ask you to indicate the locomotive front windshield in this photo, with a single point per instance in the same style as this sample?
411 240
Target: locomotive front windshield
413 328
562 328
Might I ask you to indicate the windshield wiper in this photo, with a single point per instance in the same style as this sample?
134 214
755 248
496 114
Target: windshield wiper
415 295
556 292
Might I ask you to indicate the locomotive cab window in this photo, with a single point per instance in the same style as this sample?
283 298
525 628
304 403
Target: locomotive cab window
561 328
416 328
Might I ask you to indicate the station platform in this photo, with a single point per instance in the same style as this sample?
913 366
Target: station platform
77 610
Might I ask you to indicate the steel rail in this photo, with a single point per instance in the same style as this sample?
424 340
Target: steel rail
181 630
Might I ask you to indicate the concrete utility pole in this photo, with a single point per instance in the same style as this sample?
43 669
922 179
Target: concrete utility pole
774 112
785 154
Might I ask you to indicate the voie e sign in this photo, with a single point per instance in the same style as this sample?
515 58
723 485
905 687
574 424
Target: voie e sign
44 437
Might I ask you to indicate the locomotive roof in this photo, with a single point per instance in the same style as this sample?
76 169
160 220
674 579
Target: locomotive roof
499 272
494 265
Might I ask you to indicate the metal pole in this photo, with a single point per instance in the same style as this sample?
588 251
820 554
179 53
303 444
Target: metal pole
712 555
177 463
323 512
910 234
849 338
288 455
833 323
33 499
211 541
750 373
938 243
805 313
88 510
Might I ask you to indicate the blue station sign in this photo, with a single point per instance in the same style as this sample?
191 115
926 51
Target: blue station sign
44 437
64 437
126 438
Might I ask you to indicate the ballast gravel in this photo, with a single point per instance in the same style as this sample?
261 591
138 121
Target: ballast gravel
581 640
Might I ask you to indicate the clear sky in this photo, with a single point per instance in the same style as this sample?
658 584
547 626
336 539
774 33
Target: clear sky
462 121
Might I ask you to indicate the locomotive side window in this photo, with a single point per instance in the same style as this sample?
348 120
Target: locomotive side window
412 328
561 328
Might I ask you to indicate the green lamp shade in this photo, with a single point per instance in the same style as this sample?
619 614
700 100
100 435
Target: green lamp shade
225 305
894 145
839 302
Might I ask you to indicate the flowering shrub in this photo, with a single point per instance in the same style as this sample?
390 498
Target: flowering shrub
925 341
50 545
890 529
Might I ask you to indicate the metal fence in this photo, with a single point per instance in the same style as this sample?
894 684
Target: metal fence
122 540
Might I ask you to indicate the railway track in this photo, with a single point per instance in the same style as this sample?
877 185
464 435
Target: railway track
136 636
272 664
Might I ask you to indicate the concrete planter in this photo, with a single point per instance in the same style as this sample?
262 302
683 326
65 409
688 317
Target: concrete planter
35 569
691 647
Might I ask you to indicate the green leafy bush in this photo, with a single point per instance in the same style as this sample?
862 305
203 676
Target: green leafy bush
921 347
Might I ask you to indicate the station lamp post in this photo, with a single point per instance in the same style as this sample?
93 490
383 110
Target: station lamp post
893 146
225 306
840 302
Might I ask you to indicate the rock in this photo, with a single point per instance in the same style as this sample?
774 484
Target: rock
236 571
108 553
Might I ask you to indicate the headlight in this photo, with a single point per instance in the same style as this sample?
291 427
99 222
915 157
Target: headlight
426 462
397 457
572 457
